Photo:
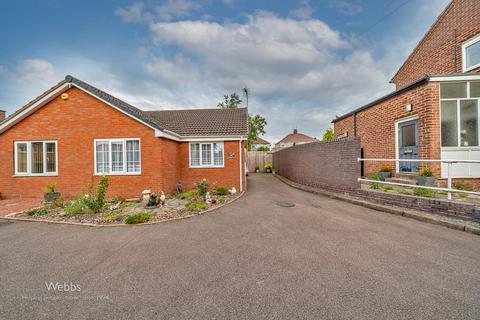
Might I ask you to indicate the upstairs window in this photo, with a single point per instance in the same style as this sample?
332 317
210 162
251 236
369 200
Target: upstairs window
36 158
117 156
471 54
208 154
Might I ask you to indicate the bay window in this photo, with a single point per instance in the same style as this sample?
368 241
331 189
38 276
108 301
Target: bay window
459 103
117 156
206 154
36 158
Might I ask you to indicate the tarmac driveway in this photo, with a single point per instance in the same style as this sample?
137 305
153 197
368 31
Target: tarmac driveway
253 259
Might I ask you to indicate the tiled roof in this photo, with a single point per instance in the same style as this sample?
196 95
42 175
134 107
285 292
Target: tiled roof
296 137
259 140
188 122
203 122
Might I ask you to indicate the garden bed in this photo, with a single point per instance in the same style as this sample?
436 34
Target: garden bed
174 208
92 209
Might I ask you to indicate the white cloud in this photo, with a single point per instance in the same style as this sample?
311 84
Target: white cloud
348 7
36 71
304 11
134 13
2 69
175 8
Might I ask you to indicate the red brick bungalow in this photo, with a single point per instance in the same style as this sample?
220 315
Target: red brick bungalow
74 133
434 112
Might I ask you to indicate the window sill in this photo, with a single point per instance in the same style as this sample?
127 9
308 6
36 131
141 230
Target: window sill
206 167
36 175
118 174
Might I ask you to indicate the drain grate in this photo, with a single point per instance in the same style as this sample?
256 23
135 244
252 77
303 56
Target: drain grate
285 204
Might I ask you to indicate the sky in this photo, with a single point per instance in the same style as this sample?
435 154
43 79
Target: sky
304 62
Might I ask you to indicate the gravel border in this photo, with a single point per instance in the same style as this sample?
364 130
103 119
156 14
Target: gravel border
12 217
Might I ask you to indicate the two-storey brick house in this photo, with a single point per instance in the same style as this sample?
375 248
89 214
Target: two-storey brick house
434 111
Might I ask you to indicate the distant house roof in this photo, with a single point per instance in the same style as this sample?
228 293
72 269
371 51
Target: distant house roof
188 122
203 122
296 137
259 140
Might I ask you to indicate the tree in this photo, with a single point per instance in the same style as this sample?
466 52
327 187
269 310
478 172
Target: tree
328 135
231 101
263 148
256 127
256 123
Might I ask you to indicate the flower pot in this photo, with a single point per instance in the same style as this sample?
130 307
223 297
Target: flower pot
268 170
384 175
426 181
51 196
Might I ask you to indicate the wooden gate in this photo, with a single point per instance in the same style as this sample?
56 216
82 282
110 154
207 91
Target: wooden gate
258 159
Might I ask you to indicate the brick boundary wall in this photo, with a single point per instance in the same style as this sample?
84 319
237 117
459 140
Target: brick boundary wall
333 167
329 165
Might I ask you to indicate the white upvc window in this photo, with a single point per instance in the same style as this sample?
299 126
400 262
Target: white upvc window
36 158
459 113
206 155
471 54
117 156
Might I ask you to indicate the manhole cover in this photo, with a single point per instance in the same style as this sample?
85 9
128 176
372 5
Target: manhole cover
285 204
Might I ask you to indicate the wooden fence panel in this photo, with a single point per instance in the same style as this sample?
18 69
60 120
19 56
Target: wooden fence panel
258 159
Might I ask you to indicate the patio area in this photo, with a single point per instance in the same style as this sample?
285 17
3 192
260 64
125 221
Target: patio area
8 206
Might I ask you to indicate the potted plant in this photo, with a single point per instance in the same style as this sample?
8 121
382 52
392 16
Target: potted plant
51 194
384 172
268 168
257 169
426 178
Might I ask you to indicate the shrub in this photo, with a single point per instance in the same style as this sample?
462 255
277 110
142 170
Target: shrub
463 187
375 185
202 187
221 190
385 169
268 167
196 206
427 172
75 207
423 192
140 217
263 148
97 201
59 202
50 187
186 194
38 212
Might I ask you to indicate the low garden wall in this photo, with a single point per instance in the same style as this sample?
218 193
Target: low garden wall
329 165
333 167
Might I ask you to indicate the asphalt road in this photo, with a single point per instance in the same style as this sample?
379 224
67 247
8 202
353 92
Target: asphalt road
253 259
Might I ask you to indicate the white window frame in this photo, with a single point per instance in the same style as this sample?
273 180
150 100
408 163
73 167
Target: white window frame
212 165
464 53
457 100
124 171
29 159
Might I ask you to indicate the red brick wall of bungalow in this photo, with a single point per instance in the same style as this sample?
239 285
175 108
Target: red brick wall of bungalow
436 85
75 123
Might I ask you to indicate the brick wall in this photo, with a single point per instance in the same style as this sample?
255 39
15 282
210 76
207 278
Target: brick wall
376 125
75 123
440 51
328 165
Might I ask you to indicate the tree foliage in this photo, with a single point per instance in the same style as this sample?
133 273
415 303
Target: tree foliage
230 101
256 127
328 135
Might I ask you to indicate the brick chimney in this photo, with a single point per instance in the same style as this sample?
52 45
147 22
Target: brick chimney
2 115
295 131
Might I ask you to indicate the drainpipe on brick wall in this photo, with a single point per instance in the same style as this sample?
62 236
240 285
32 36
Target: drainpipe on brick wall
241 164
355 124
455 49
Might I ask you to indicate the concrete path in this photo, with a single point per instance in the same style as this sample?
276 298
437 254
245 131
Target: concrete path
253 259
